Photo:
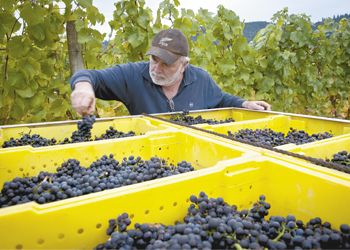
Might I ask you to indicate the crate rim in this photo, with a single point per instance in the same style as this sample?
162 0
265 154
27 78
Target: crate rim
258 111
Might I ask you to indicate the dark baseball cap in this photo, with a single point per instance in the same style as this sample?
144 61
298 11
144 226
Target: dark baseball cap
169 45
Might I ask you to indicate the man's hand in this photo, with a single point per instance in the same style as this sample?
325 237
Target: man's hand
83 98
256 105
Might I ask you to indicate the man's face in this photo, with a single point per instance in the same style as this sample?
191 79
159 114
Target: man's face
164 74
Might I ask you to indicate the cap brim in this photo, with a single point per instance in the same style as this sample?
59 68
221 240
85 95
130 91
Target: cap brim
165 55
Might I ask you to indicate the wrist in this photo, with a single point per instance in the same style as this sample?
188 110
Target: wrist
84 87
83 84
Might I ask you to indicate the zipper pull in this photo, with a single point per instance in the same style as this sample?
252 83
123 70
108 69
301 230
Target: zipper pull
172 105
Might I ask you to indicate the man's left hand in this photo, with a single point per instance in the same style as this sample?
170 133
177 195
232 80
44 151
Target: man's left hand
256 105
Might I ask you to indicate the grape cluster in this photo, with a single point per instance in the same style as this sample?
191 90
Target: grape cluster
71 179
34 140
214 224
112 133
184 118
82 134
84 129
342 157
272 138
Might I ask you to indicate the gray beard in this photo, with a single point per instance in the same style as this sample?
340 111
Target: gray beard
166 82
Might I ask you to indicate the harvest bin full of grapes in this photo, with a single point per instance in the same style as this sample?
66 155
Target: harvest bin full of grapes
92 158
225 178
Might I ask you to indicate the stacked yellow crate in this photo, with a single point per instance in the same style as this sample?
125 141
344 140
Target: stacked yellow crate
234 171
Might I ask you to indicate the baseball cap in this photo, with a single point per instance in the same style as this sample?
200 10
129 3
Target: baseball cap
169 45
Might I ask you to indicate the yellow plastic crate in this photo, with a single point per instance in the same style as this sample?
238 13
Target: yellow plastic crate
61 130
282 123
221 114
324 149
173 146
81 223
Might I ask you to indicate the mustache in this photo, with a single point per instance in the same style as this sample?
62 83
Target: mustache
157 75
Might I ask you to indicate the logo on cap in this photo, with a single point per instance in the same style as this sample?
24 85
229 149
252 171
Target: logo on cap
164 41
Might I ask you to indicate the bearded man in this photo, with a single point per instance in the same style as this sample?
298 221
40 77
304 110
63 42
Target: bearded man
166 83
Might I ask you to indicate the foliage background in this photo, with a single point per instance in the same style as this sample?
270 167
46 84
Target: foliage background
295 68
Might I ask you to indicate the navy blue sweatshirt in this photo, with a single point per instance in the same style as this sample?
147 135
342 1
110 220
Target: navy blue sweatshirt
132 85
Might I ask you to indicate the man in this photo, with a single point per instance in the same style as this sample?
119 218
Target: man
164 84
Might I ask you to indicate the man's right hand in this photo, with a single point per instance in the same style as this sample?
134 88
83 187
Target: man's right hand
83 98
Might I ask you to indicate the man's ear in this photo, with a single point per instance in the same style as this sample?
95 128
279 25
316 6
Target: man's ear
185 64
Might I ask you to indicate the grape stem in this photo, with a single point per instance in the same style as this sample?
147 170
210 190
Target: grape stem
281 233
237 246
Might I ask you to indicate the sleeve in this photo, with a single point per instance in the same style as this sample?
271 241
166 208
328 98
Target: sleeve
108 84
219 99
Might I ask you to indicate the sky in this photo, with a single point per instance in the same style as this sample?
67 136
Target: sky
247 10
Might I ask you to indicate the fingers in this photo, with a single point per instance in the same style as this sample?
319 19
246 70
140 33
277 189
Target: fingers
265 105
259 107
83 101
86 105
256 105
91 109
